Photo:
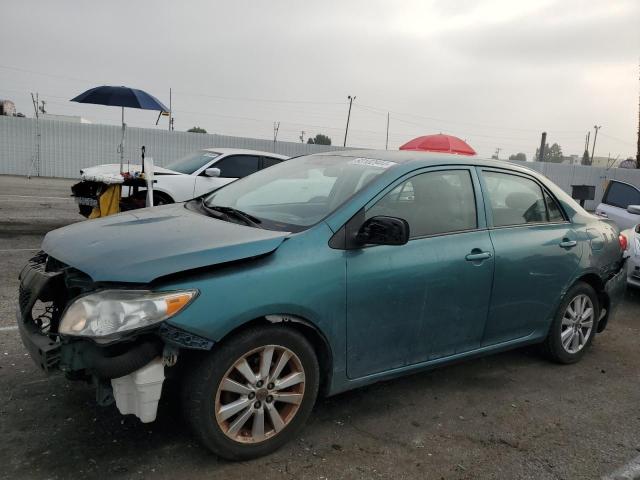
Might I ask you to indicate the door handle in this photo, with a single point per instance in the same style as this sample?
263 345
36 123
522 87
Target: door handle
566 243
474 257
602 214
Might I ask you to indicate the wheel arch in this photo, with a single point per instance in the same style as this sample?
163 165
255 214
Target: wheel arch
308 329
164 193
595 281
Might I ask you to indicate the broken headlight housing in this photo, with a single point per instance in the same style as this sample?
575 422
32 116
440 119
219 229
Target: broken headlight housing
108 313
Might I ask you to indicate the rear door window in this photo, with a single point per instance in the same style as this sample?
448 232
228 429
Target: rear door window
621 195
514 200
554 211
238 166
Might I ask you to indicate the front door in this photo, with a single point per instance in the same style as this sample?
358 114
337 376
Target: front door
429 298
537 253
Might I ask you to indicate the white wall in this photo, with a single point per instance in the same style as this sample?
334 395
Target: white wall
67 147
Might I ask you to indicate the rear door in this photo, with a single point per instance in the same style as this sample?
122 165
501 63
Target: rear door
537 253
231 168
615 201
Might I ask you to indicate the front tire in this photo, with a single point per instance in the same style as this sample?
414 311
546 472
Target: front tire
253 393
159 198
574 325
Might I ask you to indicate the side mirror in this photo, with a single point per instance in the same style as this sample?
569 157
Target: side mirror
383 231
212 172
634 209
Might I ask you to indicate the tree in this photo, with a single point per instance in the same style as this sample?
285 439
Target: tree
319 139
552 154
521 157
586 159
197 130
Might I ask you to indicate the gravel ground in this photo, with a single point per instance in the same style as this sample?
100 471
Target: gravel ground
512 415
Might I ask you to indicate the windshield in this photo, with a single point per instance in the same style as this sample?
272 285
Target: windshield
192 162
299 192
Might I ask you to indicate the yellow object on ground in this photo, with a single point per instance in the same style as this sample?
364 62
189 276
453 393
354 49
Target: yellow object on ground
108 203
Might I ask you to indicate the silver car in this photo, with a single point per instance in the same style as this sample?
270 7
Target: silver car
620 203
633 252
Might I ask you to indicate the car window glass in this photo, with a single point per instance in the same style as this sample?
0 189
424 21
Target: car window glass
622 195
292 190
514 200
238 166
192 162
268 161
432 203
553 210
302 191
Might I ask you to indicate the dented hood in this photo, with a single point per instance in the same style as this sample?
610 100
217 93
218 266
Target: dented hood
142 245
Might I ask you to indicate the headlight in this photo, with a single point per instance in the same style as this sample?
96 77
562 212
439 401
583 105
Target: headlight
109 312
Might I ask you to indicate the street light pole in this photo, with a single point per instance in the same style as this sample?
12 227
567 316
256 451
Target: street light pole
346 130
595 137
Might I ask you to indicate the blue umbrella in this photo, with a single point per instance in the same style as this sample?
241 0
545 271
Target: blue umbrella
121 97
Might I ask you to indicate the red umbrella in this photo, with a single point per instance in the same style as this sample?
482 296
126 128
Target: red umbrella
439 143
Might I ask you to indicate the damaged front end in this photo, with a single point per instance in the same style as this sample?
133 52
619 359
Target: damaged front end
102 333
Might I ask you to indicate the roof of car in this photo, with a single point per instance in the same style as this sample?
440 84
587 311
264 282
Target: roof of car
227 151
429 158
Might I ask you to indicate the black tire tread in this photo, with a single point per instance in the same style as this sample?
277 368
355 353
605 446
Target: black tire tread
550 348
196 395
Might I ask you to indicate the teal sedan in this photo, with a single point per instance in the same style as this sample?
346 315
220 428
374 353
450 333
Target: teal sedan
318 275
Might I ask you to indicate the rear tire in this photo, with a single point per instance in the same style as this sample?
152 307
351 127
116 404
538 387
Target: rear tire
574 325
245 372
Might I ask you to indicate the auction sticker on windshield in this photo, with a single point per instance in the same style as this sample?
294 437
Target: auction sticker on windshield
372 162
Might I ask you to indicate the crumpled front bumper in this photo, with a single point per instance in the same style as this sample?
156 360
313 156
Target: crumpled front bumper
130 372
36 284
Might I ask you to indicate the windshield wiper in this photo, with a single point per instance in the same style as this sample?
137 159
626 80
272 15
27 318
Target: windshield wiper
233 212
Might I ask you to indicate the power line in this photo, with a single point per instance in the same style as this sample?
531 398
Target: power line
264 100
52 75
383 111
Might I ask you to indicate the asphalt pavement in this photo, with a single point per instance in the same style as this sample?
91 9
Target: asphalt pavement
507 416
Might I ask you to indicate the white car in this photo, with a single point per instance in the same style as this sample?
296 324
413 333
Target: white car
620 203
633 252
196 173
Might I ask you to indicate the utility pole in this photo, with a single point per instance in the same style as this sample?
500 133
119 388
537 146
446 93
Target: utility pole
498 150
36 159
386 143
586 143
638 150
595 137
276 127
170 112
543 143
346 130
302 136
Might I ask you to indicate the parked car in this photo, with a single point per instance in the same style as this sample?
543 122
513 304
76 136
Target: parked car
633 269
371 265
620 203
190 176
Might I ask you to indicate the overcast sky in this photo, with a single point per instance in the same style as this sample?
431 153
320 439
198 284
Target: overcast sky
493 72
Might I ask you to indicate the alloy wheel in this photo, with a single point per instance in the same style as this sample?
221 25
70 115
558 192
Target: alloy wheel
260 394
577 323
